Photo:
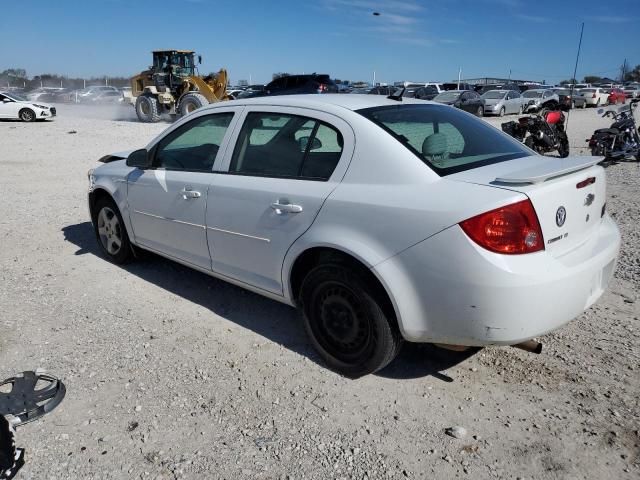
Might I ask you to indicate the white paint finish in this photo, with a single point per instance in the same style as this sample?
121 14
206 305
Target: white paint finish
11 109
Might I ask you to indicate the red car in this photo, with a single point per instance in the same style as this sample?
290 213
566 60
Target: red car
617 96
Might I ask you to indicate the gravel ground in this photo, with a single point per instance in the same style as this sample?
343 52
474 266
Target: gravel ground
173 374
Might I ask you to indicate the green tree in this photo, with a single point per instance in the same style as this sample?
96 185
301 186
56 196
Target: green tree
592 79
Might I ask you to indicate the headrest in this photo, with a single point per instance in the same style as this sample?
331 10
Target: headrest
435 148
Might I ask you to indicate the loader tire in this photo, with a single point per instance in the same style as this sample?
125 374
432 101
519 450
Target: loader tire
192 101
148 109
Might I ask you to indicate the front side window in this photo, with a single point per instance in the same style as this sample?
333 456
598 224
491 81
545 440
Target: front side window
194 146
283 145
446 139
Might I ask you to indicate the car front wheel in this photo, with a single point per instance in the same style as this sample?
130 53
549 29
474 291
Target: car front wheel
346 322
111 232
27 115
479 111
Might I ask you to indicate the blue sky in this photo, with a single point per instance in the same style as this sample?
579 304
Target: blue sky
409 40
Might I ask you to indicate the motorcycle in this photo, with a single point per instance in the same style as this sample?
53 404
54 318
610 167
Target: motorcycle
621 141
545 131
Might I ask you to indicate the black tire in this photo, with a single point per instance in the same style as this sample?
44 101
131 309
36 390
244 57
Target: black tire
346 323
192 101
479 111
502 112
584 105
148 109
597 151
27 115
110 232
563 150
529 143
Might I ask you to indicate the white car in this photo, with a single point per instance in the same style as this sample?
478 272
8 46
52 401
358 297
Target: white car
381 219
16 107
595 96
501 102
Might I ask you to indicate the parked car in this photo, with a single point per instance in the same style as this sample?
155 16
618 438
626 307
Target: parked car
482 242
569 99
426 93
295 84
616 95
42 94
501 102
463 99
252 91
456 86
482 89
14 106
632 92
107 97
594 96
383 90
537 99
86 94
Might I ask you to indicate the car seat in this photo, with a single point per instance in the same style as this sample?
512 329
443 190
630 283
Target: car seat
435 149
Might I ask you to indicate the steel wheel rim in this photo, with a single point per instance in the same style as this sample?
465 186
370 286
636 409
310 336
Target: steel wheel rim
190 107
109 231
340 322
145 108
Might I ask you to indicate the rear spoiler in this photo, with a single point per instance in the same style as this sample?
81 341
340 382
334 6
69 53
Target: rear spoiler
547 169
112 157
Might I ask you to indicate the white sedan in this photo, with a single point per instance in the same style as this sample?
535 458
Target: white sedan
13 106
382 219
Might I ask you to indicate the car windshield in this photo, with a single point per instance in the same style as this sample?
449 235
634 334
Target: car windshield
15 97
532 94
493 94
563 92
446 139
447 96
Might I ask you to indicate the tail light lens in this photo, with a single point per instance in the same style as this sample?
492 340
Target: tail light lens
593 96
322 88
512 229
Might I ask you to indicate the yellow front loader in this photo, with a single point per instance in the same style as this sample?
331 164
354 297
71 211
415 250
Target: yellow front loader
171 86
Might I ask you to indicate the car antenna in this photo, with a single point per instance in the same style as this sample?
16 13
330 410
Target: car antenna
397 96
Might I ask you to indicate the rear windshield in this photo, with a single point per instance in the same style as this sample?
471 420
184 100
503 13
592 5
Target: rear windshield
446 139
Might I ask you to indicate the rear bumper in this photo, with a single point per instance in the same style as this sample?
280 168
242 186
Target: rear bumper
449 290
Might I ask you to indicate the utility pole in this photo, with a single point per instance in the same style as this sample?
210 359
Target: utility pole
459 76
374 78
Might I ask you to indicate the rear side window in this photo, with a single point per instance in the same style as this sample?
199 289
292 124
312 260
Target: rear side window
445 138
289 146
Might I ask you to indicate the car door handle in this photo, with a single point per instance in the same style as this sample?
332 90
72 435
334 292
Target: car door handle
187 193
281 208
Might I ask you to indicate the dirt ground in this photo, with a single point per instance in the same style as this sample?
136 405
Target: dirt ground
173 374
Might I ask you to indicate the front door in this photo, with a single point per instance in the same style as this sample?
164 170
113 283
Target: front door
167 202
285 163
8 107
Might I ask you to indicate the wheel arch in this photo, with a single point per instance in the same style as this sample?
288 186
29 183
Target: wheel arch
307 259
35 115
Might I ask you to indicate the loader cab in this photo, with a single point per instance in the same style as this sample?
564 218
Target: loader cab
178 63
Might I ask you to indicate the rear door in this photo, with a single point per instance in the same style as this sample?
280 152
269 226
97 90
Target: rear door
285 163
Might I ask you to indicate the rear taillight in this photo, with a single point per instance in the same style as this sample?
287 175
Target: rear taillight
322 88
593 96
512 229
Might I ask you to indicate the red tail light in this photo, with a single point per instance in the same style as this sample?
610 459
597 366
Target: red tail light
512 229
322 88
593 96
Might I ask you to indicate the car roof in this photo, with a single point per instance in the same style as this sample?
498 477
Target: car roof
314 100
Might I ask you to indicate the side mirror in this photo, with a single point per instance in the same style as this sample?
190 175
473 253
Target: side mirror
6 100
304 141
199 59
139 158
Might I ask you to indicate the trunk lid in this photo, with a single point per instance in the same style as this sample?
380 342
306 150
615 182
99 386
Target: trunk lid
568 194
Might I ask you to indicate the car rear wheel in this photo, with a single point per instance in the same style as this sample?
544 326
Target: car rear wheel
347 324
27 115
110 232
502 111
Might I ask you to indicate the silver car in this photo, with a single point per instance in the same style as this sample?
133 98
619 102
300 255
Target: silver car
534 100
501 102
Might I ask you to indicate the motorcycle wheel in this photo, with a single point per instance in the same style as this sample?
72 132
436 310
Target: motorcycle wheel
598 151
563 149
531 144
